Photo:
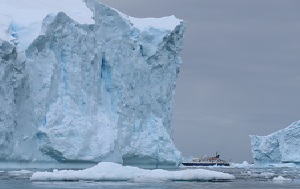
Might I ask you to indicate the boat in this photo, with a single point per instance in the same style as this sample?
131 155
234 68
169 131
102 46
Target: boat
207 161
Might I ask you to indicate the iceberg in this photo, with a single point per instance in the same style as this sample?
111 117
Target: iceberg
281 179
107 171
245 165
279 147
87 91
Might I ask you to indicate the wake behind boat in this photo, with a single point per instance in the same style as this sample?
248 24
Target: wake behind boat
207 161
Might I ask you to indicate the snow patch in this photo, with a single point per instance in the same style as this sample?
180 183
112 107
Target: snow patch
165 23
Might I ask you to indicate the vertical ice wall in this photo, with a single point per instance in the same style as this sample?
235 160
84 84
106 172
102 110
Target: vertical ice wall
18 140
98 92
7 82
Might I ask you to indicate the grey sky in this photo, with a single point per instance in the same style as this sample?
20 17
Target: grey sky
240 73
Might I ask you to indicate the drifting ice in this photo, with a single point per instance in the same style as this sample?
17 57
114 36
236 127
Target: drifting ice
89 92
279 147
115 172
281 178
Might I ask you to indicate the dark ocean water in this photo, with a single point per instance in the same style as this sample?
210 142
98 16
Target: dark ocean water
249 178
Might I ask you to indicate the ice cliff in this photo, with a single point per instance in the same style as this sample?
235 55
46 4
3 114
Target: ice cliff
279 147
90 92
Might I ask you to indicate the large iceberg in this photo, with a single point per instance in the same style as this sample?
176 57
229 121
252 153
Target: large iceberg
88 91
279 147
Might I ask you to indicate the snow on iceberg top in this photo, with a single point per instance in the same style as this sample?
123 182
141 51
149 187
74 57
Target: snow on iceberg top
295 124
22 19
164 23
26 12
5 33
106 171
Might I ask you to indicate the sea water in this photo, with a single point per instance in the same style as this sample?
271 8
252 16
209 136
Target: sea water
248 178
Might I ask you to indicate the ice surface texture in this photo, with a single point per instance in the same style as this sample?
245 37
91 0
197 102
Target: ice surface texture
92 92
279 147
114 172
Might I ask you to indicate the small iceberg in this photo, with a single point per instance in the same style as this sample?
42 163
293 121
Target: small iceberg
107 171
281 179
245 164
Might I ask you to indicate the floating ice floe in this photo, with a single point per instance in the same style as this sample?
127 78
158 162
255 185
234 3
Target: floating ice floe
245 164
21 172
262 175
281 178
107 171
283 165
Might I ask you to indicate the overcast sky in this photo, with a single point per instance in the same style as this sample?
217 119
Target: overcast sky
240 73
